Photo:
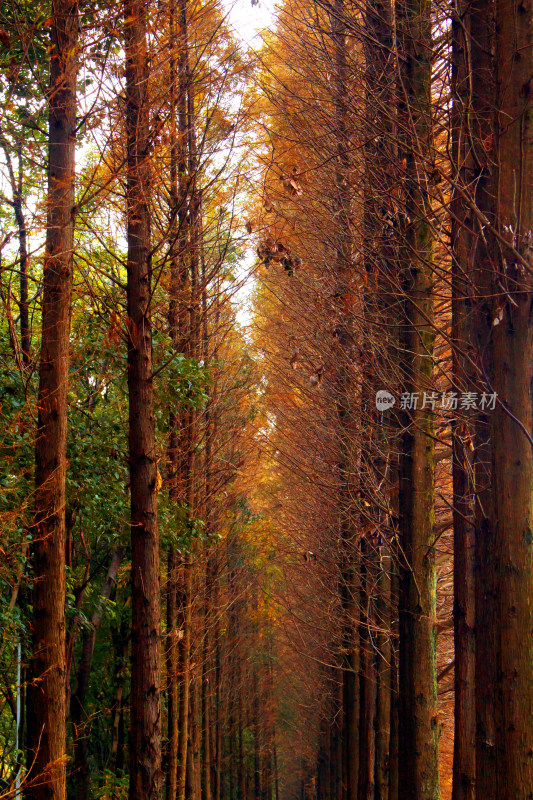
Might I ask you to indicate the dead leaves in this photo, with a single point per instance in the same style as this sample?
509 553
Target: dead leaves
291 183
269 251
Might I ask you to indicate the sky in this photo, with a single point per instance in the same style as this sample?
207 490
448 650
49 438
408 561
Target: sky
248 21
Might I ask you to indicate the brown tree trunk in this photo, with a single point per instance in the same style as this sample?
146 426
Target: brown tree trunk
121 641
193 756
176 232
257 737
77 701
336 752
145 720
419 728
474 91
24 312
512 427
345 406
464 379
46 695
184 658
384 677
172 678
206 685
217 727
16 180
367 682
394 741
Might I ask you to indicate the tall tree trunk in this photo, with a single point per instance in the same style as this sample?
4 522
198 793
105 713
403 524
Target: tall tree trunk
419 728
172 678
121 642
217 761
345 407
77 702
512 427
367 681
337 728
384 676
176 234
394 741
474 91
24 311
184 661
46 695
145 720
464 379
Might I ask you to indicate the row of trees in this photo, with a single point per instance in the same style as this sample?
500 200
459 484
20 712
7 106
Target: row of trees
136 659
393 231
295 560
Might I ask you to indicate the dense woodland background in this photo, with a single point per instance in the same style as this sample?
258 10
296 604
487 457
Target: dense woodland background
227 573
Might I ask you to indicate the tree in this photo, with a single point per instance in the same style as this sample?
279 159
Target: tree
46 696
145 720
512 422
419 728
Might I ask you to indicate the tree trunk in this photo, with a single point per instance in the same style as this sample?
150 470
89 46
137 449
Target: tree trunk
464 379
474 91
77 702
419 728
172 678
384 676
513 419
46 695
184 658
206 686
120 646
394 742
345 408
367 681
145 720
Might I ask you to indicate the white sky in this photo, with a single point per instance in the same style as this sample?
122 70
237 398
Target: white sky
248 21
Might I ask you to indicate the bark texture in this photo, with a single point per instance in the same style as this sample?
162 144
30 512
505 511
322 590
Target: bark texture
145 718
513 374
419 728
46 695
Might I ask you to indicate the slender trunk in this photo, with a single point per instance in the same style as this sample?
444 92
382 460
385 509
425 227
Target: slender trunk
46 695
419 728
257 738
120 644
337 744
322 768
275 766
464 379
394 741
477 128
77 702
367 681
206 716
512 426
184 656
23 263
218 699
384 677
16 181
349 555
172 678
176 232
145 720
193 756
